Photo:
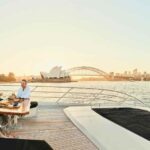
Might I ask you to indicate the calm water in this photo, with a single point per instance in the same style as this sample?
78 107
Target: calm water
141 90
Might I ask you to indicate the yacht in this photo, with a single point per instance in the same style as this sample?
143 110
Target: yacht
84 118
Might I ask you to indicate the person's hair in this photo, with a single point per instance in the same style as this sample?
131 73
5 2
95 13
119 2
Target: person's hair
24 80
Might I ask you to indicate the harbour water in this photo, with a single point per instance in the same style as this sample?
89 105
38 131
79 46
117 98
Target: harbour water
138 89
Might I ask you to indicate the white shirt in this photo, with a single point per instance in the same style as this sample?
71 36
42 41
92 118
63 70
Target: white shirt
24 93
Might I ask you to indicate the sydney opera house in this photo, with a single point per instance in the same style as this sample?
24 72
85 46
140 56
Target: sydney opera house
55 73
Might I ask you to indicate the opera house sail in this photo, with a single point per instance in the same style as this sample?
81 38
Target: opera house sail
56 74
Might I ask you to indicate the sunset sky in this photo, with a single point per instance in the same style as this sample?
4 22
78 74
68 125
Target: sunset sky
35 35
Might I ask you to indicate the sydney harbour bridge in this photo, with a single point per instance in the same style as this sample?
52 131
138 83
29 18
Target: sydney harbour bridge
87 71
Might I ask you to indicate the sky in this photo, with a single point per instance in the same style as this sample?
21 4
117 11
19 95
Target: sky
36 35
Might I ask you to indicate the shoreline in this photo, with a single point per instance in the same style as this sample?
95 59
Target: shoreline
76 81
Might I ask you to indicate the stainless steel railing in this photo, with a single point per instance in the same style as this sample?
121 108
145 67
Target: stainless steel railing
63 95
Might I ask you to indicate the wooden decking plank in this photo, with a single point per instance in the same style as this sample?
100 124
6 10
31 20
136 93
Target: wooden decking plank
53 126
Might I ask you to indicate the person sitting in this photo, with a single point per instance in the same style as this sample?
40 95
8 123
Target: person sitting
24 93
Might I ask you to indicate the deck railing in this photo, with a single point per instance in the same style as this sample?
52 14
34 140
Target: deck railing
66 95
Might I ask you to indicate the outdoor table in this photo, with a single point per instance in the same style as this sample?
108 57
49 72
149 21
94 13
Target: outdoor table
14 112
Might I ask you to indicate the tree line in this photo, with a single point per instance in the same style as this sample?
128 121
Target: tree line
7 78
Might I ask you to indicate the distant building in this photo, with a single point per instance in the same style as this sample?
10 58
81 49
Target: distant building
55 72
135 72
125 74
111 75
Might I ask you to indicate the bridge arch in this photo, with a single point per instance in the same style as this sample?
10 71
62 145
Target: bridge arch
93 69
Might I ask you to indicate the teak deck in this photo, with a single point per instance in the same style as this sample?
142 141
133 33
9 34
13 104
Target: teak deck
54 127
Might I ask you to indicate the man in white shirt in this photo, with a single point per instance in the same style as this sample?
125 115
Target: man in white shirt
24 93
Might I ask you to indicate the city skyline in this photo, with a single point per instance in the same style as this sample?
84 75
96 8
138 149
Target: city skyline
134 71
57 74
37 35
